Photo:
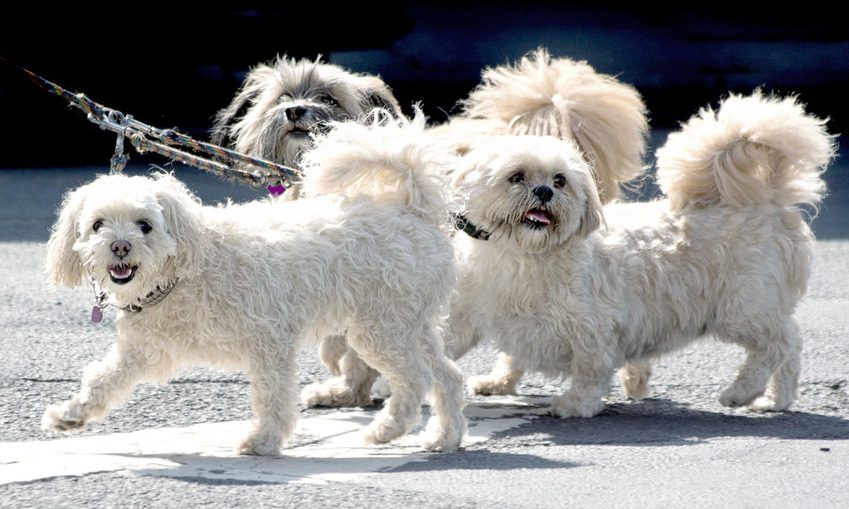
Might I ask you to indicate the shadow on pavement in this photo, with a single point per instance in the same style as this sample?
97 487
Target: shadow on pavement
661 422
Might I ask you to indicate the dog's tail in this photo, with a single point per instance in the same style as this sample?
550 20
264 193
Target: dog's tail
383 156
559 97
754 150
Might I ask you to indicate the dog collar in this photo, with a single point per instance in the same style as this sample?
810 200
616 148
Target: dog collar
469 228
154 297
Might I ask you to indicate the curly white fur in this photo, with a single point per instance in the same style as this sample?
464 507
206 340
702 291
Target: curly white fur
544 96
253 281
727 254
538 95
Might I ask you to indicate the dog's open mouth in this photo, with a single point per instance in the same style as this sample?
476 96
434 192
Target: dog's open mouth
122 274
298 131
537 219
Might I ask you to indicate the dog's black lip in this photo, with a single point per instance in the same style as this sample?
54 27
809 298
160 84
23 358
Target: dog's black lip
125 280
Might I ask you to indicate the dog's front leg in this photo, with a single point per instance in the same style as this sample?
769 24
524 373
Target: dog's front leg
352 380
502 380
106 383
460 335
591 376
274 399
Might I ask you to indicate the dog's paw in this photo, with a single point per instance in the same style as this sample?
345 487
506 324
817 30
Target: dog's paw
768 404
334 393
64 418
567 406
437 438
260 444
635 381
384 428
487 385
734 397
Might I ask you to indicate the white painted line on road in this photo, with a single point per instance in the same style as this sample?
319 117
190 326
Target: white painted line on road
327 448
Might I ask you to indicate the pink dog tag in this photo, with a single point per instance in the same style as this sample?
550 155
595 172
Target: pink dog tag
276 190
96 314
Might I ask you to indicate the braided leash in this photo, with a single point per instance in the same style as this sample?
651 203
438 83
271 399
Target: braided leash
226 163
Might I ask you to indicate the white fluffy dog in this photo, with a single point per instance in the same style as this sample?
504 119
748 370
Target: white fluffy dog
283 104
242 286
560 97
727 254
538 95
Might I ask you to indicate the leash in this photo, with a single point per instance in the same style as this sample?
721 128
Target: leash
144 138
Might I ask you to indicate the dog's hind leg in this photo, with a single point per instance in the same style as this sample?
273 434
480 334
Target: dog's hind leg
447 424
396 354
768 351
502 380
274 398
784 382
634 377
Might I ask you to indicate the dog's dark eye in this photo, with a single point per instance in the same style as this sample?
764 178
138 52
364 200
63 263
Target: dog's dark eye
559 181
145 226
97 224
328 100
517 177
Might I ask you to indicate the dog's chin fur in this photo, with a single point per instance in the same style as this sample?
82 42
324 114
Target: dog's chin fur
282 104
366 253
726 254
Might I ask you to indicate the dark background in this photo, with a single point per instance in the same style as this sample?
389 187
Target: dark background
174 64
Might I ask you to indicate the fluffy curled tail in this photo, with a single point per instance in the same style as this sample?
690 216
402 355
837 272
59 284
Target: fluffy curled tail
384 157
567 99
753 150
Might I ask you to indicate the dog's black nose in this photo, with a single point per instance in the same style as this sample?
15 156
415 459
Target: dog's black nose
544 193
294 113
121 248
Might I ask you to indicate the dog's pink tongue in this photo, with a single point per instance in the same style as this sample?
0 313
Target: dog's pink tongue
120 271
537 216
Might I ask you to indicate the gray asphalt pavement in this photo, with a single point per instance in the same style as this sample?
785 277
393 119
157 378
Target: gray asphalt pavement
679 448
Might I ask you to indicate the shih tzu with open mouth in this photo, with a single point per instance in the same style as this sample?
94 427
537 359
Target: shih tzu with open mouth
282 103
366 251
727 254
538 95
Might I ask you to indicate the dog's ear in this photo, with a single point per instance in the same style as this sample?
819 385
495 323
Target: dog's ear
376 94
222 127
64 266
593 216
182 211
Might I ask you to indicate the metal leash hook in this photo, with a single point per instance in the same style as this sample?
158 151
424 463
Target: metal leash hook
118 160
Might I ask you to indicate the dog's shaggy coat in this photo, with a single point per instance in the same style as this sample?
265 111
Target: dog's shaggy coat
367 254
538 95
282 104
726 254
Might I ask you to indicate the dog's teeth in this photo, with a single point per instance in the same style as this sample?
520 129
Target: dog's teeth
121 271
538 217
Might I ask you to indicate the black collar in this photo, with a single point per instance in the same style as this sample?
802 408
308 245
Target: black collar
464 225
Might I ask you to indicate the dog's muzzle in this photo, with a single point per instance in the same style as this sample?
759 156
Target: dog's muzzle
121 273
